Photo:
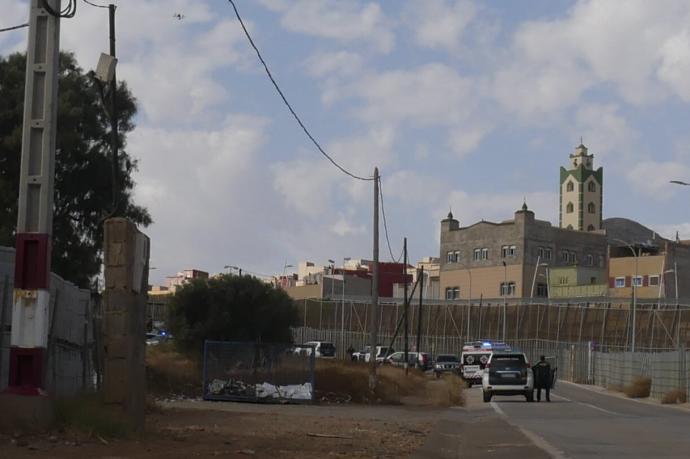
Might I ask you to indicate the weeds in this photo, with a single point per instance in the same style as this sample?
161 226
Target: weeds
86 414
170 372
675 396
639 388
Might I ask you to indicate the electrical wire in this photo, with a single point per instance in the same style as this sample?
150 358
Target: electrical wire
7 29
67 12
285 101
385 226
94 4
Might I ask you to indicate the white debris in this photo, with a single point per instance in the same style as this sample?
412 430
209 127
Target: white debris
288 392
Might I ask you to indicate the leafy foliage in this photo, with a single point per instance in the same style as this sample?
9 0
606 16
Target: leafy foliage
231 308
83 191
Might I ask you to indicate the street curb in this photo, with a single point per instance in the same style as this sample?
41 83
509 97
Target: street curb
685 407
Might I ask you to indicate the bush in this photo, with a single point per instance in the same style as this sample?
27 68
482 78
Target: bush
675 396
231 308
171 373
87 414
639 388
350 380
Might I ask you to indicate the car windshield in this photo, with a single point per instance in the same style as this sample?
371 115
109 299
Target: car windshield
508 362
327 349
446 358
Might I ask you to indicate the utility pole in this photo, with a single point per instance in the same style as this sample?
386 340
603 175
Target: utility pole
419 312
406 304
505 298
113 118
31 308
374 322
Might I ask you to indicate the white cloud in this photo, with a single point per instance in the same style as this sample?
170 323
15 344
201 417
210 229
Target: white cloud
604 127
668 230
652 178
463 140
439 23
341 63
675 66
346 227
346 22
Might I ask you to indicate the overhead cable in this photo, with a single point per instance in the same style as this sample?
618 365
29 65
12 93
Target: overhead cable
94 4
7 29
285 101
385 226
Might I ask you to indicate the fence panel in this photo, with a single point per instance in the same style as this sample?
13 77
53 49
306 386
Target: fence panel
244 371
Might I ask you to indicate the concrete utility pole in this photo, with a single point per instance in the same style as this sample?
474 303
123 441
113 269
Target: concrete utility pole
374 322
419 312
31 309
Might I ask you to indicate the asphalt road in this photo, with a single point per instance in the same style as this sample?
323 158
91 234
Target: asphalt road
586 423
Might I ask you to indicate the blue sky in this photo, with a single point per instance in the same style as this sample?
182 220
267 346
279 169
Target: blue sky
469 105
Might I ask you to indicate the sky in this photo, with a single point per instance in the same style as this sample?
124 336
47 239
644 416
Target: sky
463 105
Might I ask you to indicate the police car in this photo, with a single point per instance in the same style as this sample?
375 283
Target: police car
475 356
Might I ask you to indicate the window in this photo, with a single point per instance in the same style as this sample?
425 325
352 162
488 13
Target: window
563 280
513 250
451 257
620 282
456 293
477 254
542 290
508 251
590 228
590 260
653 280
601 261
592 280
569 208
507 288
457 256
547 253
591 186
504 251
569 186
540 252
591 208
485 254
449 293
637 281
565 255
452 293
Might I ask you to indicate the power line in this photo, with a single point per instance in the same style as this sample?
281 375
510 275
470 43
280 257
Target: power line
67 12
385 226
94 4
285 101
7 29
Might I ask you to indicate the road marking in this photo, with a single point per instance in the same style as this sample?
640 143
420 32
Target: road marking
600 409
562 398
537 440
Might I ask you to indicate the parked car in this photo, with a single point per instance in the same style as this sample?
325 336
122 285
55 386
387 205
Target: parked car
322 349
508 373
474 358
365 354
419 360
446 363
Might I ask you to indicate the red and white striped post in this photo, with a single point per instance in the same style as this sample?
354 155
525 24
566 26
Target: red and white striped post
31 308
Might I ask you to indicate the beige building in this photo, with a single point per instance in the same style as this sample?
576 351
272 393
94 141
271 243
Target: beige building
656 272
491 260
581 193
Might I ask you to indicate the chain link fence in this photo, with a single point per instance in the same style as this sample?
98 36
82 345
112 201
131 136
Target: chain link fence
243 371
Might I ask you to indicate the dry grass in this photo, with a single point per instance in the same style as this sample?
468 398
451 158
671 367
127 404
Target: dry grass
639 388
352 379
675 396
170 373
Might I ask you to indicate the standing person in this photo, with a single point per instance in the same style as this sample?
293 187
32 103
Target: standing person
542 378
350 351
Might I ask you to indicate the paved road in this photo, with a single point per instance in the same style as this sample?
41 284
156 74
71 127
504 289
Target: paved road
586 423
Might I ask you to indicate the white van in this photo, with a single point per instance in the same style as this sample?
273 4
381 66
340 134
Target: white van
322 349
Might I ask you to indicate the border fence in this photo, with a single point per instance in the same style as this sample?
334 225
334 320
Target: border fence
246 371
71 353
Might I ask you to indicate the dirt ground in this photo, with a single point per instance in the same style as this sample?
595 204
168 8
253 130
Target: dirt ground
225 429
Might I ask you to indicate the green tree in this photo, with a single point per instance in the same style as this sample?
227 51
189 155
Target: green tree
83 191
231 308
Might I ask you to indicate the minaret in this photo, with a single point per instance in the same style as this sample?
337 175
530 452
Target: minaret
581 193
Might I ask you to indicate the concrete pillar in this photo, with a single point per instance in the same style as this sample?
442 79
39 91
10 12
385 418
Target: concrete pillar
126 260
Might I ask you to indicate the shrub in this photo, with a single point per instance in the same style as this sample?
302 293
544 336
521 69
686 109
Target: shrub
639 388
674 396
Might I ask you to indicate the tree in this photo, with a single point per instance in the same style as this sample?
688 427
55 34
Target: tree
231 308
83 191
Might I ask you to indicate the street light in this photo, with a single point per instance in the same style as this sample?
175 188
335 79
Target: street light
634 292
505 298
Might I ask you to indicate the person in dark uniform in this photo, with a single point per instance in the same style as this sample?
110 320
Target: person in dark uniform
542 378
350 351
